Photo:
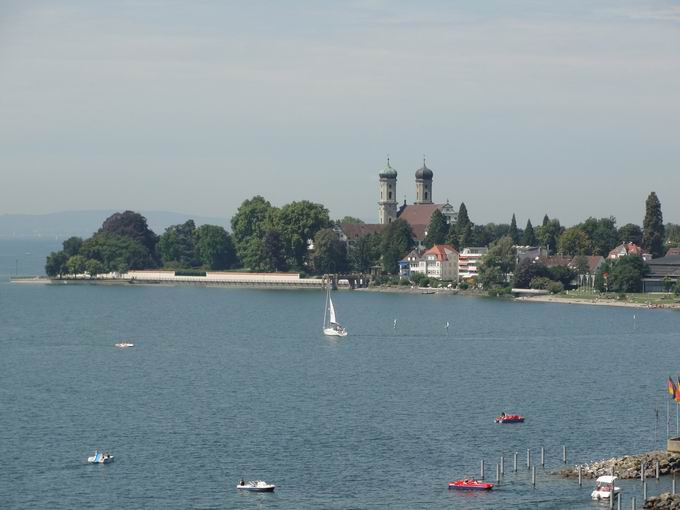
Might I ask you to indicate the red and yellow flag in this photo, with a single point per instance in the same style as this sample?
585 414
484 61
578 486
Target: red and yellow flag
671 386
676 397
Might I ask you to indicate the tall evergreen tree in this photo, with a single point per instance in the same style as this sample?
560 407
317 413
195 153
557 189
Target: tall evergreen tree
462 231
529 235
437 230
463 218
546 220
514 233
652 227
459 228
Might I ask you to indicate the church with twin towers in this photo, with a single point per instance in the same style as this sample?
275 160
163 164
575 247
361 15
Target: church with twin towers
417 214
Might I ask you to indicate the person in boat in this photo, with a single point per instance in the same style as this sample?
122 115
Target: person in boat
503 414
243 482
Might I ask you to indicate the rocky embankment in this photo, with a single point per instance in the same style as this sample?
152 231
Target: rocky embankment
663 501
627 467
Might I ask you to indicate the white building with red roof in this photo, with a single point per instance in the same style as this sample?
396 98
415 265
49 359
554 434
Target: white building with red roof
440 262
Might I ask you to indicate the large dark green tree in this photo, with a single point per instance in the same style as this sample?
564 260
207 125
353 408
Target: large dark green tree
133 226
298 223
330 254
364 253
630 233
527 270
271 254
529 235
214 247
624 274
498 263
253 218
574 241
177 245
397 241
652 227
549 234
437 230
72 246
602 233
56 264
117 252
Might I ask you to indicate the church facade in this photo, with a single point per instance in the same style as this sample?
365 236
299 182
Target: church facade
417 214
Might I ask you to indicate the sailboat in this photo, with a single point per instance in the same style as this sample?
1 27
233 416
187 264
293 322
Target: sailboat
332 327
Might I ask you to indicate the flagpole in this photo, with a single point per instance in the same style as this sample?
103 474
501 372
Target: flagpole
677 419
668 419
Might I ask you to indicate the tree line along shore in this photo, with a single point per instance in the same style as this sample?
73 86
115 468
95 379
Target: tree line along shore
301 237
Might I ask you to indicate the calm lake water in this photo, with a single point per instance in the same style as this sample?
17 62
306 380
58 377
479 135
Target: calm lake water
230 383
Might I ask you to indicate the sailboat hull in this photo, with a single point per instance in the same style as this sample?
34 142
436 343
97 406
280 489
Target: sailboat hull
334 332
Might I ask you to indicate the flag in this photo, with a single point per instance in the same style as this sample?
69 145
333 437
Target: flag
677 391
671 386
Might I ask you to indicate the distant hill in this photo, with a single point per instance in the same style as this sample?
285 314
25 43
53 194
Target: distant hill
61 225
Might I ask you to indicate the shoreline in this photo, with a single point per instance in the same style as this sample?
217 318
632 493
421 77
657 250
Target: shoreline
596 302
558 299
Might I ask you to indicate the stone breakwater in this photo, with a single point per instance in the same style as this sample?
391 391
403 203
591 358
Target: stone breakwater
664 501
627 467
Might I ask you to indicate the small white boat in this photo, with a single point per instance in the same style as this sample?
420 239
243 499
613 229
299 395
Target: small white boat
604 487
255 486
332 327
124 345
100 458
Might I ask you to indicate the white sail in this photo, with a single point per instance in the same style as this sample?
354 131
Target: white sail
331 310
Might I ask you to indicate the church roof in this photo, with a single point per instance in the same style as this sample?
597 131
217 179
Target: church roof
424 172
388 171
419 214
355 231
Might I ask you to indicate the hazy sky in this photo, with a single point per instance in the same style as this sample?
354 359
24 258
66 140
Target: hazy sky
570 108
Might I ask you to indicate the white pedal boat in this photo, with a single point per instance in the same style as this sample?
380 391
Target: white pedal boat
100 458
255 486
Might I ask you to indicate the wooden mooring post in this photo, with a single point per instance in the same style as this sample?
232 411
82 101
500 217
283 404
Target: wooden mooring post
542 457
564 454
514 463
644 491
580 476
498 473
657 470
642 472
528 458
482 469
502 465
673 485
533 476
633 506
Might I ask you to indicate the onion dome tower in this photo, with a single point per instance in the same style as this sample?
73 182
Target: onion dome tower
424 185
387 206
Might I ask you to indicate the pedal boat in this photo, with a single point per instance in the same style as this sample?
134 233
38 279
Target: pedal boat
100 458
470 485
256 486
510 418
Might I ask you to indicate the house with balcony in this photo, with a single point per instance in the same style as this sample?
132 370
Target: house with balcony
468 262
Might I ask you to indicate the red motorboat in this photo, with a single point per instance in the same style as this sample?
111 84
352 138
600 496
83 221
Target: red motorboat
470 485
510 418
